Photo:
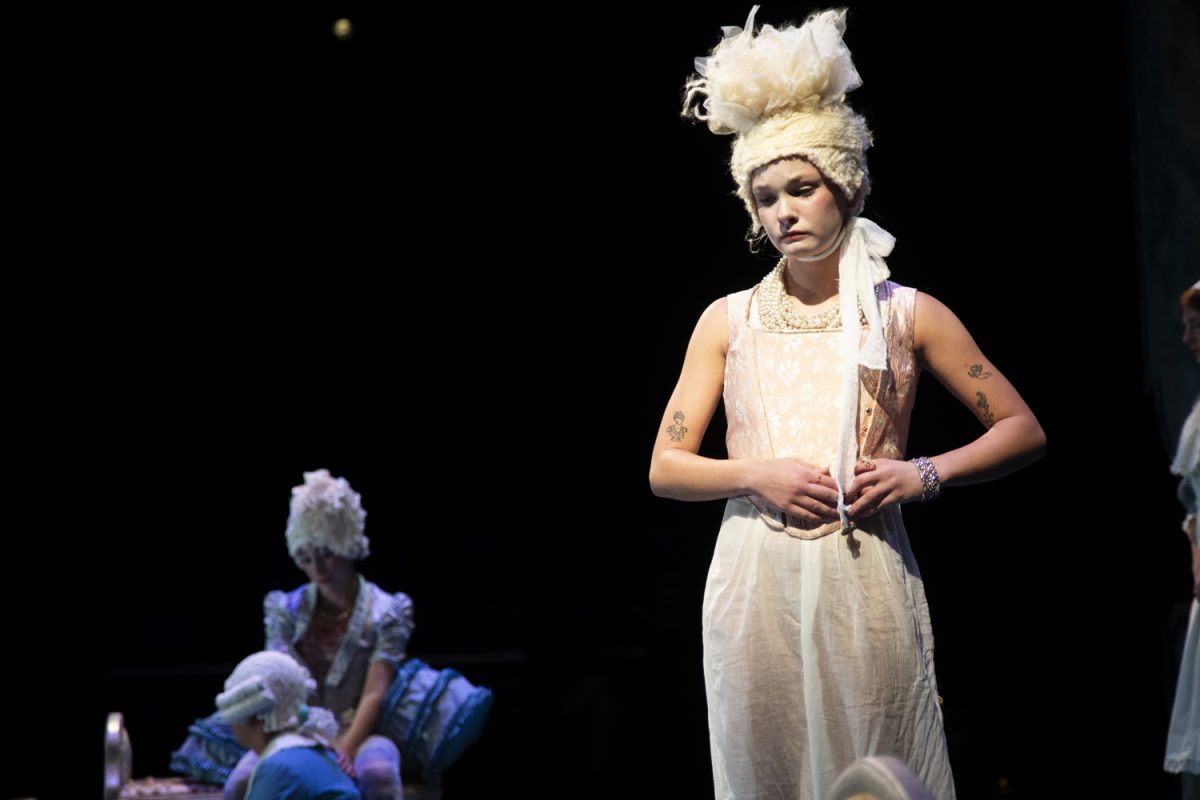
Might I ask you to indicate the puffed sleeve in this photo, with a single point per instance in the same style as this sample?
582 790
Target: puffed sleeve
395 628
278 621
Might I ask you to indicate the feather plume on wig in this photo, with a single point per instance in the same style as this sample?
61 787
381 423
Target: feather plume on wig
748 77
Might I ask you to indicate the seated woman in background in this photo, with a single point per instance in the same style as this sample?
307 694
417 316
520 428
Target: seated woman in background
350 634
352 637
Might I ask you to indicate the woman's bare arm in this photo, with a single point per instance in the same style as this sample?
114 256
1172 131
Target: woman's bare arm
1012 437
379 678
678 471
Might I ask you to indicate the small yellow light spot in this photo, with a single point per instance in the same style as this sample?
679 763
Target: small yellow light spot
342 29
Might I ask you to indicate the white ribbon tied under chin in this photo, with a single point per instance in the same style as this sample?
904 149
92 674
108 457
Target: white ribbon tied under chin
861 268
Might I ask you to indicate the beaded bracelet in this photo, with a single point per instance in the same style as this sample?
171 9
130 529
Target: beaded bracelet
932 487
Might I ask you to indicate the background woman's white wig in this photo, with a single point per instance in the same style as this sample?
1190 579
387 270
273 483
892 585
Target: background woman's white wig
326 512
270 686
782 93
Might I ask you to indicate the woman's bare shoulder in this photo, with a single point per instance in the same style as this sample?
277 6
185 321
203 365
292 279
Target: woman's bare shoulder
712 329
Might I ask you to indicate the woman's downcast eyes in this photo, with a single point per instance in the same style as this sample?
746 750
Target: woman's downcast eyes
800 191
306 557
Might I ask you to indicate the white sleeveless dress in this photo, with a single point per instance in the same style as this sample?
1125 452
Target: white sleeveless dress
817 644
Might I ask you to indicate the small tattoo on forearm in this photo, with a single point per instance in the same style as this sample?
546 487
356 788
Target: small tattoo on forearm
977 371
986 412
677 431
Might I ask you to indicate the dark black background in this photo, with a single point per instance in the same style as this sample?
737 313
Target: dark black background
456 259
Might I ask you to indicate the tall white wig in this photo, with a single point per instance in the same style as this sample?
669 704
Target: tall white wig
326 512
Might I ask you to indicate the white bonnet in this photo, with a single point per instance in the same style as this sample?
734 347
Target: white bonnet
269 685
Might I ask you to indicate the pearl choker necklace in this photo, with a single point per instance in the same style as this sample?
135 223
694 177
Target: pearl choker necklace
776 312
